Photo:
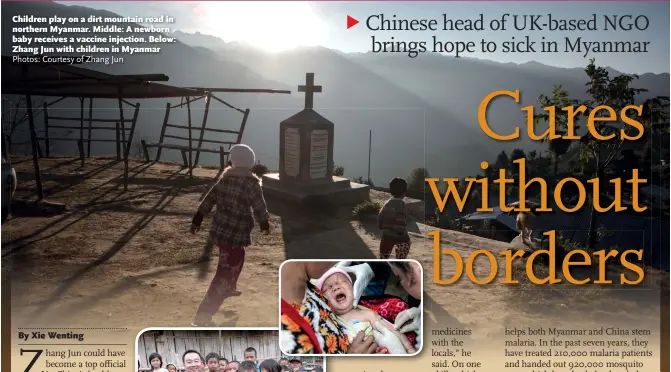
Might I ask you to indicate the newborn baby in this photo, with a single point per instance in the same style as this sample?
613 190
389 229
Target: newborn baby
336 285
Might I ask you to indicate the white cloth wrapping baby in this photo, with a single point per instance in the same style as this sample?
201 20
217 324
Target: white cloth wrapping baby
354 327
383 336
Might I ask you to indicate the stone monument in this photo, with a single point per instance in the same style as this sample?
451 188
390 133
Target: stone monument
306 158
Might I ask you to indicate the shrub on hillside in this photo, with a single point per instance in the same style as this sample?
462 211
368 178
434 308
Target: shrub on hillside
259 170
338 170
360 180
416 186
367 208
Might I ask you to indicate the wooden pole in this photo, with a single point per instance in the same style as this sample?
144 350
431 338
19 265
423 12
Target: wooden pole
5 141
370 141
242 126
222 158
188 110
122 123
123 139
80 147
39 149
81 119
220 342
13 124
132 129
33 142
145 150
208 99
45 113
165 125
118 143
185 160
88 150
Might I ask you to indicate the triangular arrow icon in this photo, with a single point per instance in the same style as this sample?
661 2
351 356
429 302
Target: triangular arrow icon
351 22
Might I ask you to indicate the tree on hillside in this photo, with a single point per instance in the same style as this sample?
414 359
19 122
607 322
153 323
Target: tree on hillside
532 163
491 173
516 154
615 92
559 99
625 164
656 147
502 161
14 117
416 183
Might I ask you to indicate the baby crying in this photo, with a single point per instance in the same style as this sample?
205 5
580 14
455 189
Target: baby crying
337 286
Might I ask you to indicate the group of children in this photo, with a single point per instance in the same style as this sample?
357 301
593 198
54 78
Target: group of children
239 201
213 362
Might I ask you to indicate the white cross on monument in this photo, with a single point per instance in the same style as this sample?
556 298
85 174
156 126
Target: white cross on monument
310 89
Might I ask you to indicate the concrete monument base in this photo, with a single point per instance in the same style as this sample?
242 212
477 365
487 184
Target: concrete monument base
415 209
340 191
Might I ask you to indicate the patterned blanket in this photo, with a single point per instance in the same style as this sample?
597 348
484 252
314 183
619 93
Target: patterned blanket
388 307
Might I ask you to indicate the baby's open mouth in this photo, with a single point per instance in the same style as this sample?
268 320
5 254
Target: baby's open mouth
340 297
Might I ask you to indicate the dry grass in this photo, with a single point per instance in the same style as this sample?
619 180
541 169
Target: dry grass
367 208
118 253
563 291
590 300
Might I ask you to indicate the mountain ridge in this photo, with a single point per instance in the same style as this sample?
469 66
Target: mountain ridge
222 43
421 112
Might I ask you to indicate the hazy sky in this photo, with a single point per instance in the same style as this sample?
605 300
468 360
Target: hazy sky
276 26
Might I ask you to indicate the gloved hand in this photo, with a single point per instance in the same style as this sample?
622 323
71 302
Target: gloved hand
409 320
384 337
363 274
418 343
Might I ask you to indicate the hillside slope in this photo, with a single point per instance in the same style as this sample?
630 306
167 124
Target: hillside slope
61 262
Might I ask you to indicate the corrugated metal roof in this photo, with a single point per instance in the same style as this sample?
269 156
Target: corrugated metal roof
503 218
623 231
62 80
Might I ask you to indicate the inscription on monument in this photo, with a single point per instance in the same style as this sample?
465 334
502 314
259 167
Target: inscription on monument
292 143
319 145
